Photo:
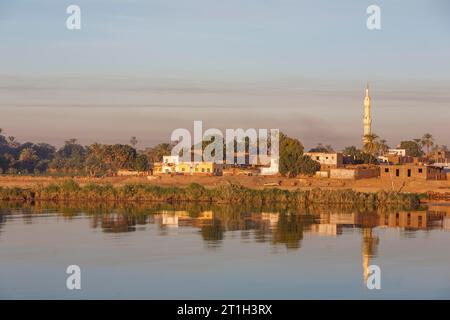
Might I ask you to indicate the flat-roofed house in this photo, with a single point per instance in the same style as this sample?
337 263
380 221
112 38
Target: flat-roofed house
327 160
411 171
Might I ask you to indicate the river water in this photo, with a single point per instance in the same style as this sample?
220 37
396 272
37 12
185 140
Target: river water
220 252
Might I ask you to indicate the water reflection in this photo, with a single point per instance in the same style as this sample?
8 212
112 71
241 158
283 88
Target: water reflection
276 226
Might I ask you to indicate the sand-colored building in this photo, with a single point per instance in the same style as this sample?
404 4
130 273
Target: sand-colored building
172 165
412 171
327 160
439 156
355 173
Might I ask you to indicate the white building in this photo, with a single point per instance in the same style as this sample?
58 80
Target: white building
397 152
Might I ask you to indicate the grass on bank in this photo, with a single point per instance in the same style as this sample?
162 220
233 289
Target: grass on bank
232 194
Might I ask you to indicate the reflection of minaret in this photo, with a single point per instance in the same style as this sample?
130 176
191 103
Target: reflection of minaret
367 121
369 247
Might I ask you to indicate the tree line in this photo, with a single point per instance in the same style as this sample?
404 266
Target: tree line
73 158
104 159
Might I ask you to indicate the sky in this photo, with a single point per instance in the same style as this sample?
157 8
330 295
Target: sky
145 68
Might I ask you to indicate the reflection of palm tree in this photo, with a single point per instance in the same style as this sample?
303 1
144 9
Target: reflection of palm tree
290 230
213 232
118 223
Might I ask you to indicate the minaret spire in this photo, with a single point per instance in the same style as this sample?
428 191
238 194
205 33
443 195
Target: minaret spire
367 120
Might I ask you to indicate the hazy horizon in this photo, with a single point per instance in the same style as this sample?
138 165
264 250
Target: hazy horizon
145 68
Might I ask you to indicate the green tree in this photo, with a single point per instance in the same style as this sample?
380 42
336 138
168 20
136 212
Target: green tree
141 162
412 148
70 158
358 156
28 159
292 160
291 151
156 153
351 151
307 166
94 163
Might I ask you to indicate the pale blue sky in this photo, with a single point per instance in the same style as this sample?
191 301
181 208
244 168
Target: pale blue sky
145 68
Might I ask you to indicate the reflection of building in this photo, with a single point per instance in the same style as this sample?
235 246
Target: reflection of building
440 216
326 229
405 220
169 219
271 217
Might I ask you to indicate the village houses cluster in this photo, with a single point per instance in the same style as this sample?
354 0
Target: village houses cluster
392 164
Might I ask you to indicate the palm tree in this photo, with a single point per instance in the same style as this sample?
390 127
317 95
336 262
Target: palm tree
133 141
71 141
371 144
12 142
384 148
427 141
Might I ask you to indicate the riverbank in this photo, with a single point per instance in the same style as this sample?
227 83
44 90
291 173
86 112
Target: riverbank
251 182
69 189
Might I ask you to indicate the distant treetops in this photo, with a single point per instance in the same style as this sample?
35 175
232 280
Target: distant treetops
106 159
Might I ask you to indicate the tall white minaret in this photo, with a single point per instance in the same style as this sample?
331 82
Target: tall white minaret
367 120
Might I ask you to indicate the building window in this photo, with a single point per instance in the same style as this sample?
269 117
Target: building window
203 169
397 172
317 158
208 170
409 173
386 170
182 169
420 170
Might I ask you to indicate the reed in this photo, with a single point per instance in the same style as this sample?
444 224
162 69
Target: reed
69 190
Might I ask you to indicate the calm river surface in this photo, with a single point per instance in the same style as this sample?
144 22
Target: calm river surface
203 252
